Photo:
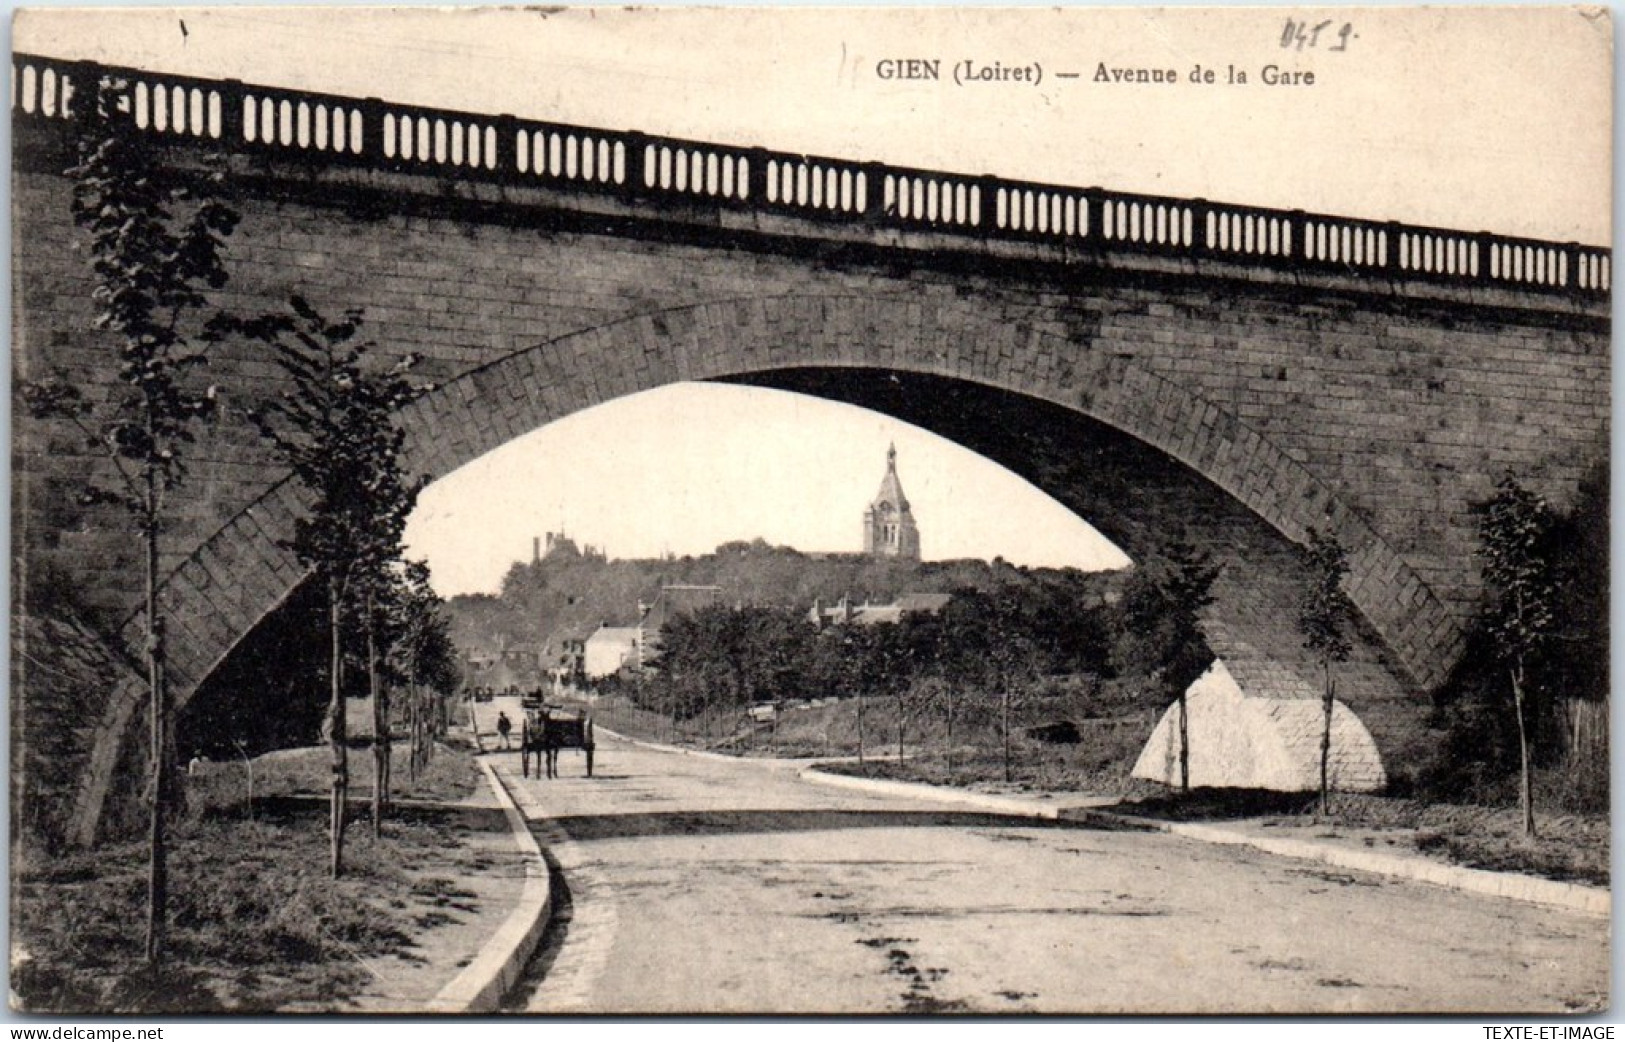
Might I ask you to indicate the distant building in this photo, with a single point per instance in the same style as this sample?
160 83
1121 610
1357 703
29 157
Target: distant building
496 676
524 656
922 603
516 665
845 613
888 522
570 668
609 650
561 545
671 601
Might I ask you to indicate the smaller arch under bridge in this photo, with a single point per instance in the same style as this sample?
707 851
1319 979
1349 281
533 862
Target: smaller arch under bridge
1248 373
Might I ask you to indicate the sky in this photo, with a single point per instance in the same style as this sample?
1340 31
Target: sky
1490 118
606 476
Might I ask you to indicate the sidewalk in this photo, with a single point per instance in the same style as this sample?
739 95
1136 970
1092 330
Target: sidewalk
1037 805
1384 853
1387 852
495 916
487 979
781 763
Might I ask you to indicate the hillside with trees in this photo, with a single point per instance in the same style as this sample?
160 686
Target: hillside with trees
569 592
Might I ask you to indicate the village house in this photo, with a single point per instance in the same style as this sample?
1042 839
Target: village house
845 613
670 602
611 649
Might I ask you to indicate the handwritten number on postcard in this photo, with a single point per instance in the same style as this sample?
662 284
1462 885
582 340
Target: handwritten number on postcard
1307 36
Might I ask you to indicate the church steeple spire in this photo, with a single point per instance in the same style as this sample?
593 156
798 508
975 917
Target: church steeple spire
888 522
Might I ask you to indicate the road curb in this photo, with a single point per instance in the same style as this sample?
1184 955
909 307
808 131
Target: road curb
483 983
1026 808
704 754
1574 897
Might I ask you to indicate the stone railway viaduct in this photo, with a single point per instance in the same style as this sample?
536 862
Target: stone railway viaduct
1159 365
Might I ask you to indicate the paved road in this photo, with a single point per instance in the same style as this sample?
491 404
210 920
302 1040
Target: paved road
695 885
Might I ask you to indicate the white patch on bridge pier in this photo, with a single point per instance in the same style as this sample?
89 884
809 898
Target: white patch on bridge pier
1242 741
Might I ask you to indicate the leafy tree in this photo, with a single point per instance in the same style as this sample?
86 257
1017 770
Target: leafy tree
336 429
1515 532
1074 627
837 661
1012 663
916 686
885 668
1481 749
380 589
423 658
1159 634
156 240
1580 542
956 659
725 657
1576 659
989 646
854 645
1323 618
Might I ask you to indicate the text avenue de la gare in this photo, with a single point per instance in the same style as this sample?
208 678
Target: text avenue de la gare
972 72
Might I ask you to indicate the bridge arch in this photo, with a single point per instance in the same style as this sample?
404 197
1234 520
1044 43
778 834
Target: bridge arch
240 574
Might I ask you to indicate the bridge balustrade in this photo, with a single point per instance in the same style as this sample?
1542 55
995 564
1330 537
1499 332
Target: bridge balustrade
1594 274
1042 211
417 138
649 168
922 198
279 120
1347 245
715 173
1148 222
1253 233
803 183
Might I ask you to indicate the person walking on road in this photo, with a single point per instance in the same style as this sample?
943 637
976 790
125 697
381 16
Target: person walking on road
504 726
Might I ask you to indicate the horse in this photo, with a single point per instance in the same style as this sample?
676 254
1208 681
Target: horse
546 731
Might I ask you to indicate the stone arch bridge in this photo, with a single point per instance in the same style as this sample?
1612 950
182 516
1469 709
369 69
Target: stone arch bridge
1157 364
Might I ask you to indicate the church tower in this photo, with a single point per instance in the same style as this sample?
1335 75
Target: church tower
888 523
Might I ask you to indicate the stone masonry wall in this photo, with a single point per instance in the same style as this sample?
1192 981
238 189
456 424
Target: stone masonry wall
1379 412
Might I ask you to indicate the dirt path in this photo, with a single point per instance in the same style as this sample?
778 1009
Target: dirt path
692 885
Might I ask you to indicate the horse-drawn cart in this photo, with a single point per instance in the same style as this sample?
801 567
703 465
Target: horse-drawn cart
547 729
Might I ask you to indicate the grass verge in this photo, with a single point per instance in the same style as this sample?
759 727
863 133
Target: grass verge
255 922
1571 846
